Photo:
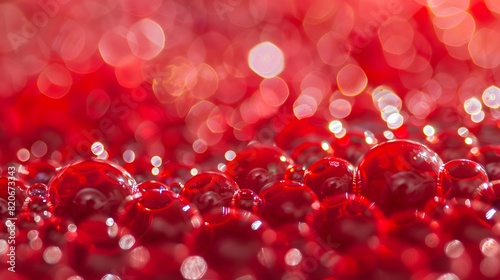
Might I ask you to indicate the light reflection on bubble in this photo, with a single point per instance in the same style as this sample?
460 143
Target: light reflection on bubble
293 257
200 146
304 107
388 135
156 161
472 106
97 148
110 277
126 242
448 276
39 148
341 133
155 171
463 131
454 249
387 111
429 130
370 138
266 60
23 154
351 80
491 97
128 156
395 121
432 240
489 247
229 155
139 257
193 267
383 96
340 108
479 117
335 126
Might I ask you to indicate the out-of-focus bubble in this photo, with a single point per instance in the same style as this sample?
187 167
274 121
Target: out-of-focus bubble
387 111
396 35
333 49
171 82
448 276
55 81
351 80
484 46
388 135
395 121
472 106
316 80
39 148
52 255
193 267
461 33
448 22
419 103
200 146
274 91
293 257
335 126
443 8
454 249
493 6
146 39
479 117
489 247
340 108
128 156
23 154
305 106
113 46
313 92
266 60
72 41
97 148
390 99
491 97
429 130
206 81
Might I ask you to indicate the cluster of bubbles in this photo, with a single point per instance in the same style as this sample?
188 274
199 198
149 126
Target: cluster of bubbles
221 71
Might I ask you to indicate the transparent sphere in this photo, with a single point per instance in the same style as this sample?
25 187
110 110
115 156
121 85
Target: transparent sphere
398 174
89 187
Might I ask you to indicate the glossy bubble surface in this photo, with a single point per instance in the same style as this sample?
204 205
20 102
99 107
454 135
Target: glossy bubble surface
89 187
398 174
